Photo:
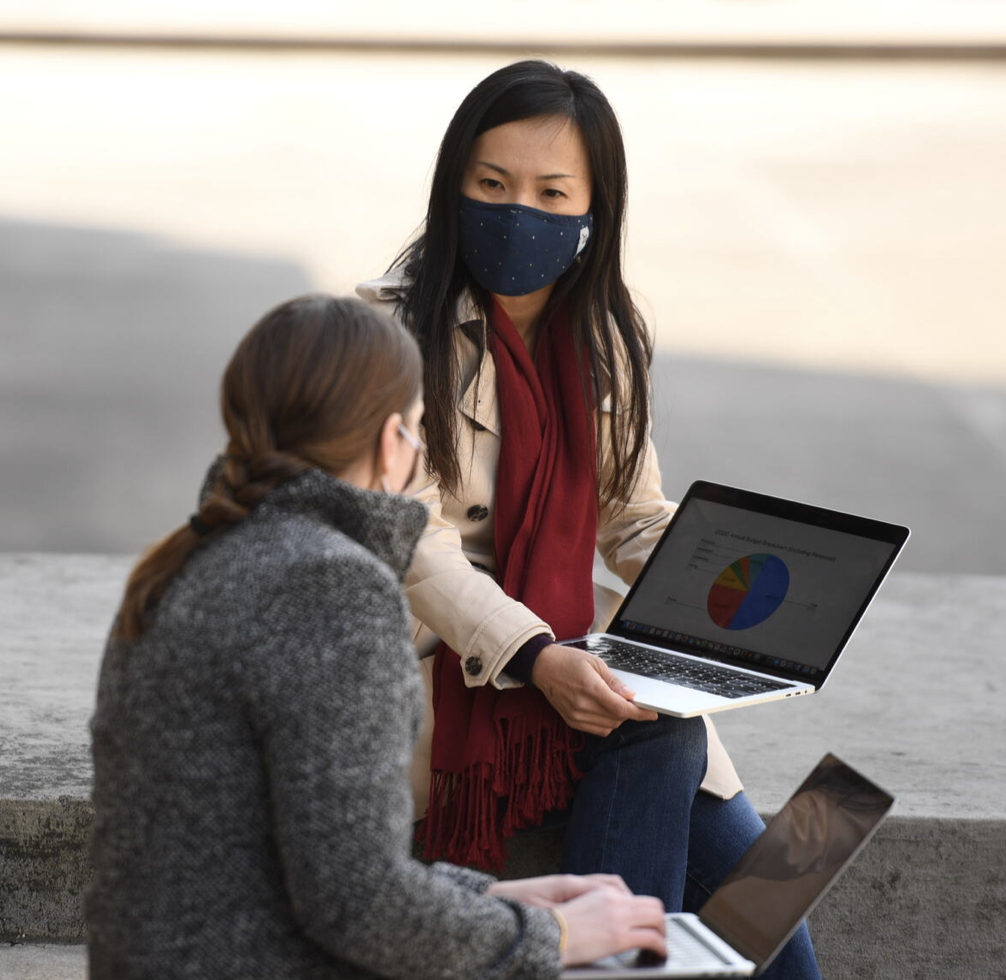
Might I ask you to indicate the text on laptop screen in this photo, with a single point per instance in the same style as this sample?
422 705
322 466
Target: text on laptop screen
742 583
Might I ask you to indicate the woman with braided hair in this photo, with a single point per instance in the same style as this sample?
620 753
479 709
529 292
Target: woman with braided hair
537 426
259 700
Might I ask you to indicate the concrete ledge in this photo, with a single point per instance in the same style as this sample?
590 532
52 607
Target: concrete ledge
925 899
849 49
928 897
44 868
535 26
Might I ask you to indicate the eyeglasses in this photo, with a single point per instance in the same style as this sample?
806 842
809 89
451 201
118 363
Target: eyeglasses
413 441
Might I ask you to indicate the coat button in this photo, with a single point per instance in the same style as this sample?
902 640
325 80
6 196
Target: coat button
478 512
473 666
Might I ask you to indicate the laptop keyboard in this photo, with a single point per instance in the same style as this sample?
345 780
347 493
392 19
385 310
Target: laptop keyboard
688 950
664 666
685 948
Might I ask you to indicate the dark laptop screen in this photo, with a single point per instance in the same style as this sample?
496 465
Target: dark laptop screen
801 853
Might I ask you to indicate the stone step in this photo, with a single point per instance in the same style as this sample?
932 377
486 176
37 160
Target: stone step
915 704
43 961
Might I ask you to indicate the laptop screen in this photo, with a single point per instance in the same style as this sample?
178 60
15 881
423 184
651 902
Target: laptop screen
759 581
793 863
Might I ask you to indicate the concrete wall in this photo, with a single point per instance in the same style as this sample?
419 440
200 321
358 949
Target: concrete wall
927 897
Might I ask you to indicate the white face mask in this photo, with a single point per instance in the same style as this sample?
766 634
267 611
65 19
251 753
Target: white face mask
417 445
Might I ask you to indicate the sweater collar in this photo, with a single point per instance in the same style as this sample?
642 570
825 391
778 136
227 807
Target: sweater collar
387 524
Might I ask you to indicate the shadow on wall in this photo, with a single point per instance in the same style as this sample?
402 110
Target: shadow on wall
113 347
929 456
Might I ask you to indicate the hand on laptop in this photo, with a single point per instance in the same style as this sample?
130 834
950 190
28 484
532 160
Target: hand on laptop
602 916
549 891
584 691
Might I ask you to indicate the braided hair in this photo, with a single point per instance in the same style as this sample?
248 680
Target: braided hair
309 386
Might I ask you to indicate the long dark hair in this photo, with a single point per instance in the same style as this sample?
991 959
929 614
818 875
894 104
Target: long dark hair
309 386
602 312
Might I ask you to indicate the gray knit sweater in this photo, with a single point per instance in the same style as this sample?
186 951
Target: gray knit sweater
253 816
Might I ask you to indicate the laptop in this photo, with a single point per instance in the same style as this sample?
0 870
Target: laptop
781 878
745 599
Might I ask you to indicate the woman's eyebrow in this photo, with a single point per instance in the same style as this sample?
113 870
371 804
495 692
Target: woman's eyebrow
493 166
506 173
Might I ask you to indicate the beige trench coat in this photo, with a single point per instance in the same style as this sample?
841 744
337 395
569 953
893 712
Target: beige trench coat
453 600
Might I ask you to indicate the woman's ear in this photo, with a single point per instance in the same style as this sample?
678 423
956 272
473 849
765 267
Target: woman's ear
387 446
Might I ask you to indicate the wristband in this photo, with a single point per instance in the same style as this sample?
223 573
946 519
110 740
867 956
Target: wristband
563 930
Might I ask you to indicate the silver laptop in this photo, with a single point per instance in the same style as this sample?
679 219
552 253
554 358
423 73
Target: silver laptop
783 875
745 599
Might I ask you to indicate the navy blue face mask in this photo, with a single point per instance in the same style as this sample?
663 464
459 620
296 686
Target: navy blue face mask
512 250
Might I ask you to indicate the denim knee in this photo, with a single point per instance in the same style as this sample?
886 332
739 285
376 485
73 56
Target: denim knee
633 805
683 739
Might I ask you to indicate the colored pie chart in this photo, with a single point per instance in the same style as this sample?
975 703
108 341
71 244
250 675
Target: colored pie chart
748 591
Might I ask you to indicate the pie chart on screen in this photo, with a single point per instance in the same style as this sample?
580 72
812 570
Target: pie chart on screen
748 591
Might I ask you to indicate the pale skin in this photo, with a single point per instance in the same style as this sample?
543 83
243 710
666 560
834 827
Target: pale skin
396 456
543 163
602 916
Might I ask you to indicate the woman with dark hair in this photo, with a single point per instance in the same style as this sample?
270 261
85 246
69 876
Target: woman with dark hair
537 426
259 700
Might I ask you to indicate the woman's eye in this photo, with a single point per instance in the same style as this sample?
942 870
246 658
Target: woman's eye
553 192
491 184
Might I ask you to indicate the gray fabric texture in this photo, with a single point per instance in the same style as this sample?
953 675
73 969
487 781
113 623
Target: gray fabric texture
253 816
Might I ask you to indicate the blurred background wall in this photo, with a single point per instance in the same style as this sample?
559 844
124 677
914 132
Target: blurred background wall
816 233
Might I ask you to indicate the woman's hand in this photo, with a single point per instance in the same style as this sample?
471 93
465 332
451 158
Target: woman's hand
584 691
607 920
602 916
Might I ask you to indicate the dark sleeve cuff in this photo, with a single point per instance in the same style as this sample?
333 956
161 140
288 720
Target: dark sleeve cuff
521 664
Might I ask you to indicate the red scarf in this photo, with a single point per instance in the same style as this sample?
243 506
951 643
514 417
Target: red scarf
502 759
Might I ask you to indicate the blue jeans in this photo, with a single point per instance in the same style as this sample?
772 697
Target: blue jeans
638 813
